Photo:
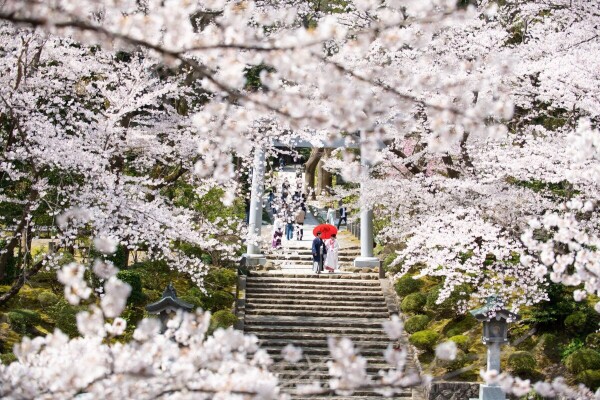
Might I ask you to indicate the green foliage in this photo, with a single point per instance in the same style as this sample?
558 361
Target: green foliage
561 190
462 341
7 358
252 75
571 347
548 344
448 308
22 320
220 278
413 302
134 280
47 298
11 272
522 362
424 340
123 56
222 319
593 341
460 325
63 314
416 323
548 314
576 322
459 361
407 285
581 360
590 378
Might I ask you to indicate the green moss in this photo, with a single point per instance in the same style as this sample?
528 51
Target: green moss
22 321
7 358
463 342
63 315
548 345
522 362
593 341
590 378
576 322
413 303
583 359
424 340
407 285
448 308
222 319
460 325
416 323
47 298
459 361
8 338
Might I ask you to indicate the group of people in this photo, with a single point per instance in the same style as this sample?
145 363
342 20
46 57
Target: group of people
289 213
325 253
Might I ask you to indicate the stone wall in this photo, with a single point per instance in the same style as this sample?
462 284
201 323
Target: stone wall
453 391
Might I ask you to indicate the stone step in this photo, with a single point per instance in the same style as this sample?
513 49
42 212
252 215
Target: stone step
312 279
323 352
308 256
316 289
308 287
315 296
320 365
310 302
317 313
316 308
366 276
328 283
306 337
321 342
285 329
315 321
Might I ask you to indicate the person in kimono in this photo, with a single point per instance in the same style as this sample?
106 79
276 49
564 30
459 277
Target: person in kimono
333 249
318 252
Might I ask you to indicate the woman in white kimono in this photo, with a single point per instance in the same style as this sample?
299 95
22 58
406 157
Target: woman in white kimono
333 248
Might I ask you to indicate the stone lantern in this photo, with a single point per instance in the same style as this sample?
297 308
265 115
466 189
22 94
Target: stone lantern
169 303
495 334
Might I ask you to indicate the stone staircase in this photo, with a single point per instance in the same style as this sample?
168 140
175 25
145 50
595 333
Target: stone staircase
295 258
304 309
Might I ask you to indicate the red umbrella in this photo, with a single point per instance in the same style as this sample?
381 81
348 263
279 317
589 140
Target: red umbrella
326 230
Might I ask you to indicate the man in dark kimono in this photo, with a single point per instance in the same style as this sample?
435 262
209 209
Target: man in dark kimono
318 251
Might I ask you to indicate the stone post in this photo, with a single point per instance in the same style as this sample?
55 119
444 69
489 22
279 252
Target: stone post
253 254
366 259
492 392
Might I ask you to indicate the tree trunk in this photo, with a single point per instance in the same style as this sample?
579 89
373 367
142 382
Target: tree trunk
309 171
325 178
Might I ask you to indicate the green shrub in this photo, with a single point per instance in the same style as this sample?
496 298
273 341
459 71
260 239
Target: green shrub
460 325
416 323
7 358
593 341
463 342
220 278
590 378
413 302
548 344
448 308
21 320
571 347
452 365
134 280
576 322
222 319
407 285
47 298
63 315
521 362
424 340
582 360
218 300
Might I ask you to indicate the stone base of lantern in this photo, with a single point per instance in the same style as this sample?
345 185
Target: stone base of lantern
490 392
